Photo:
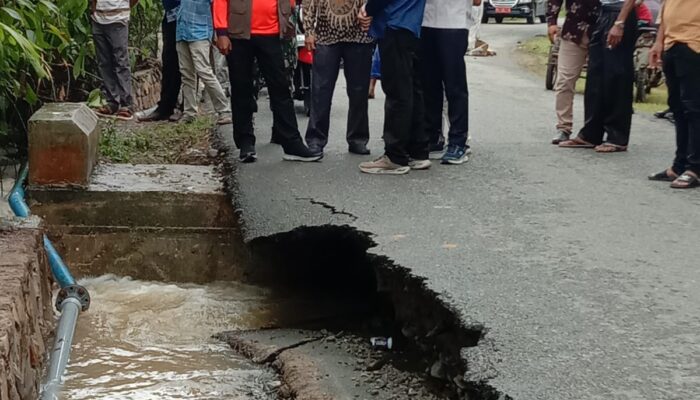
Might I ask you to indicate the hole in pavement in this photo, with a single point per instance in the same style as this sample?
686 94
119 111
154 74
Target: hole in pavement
314 296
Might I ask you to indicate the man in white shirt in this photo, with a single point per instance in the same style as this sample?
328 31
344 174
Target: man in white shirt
110 31
444 41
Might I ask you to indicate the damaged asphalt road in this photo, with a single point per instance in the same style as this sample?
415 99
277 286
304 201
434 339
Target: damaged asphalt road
584 274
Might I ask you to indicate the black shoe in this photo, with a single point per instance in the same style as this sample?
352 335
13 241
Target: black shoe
276 138
297 151
358 148
248 155
316 149
562 136
662 114
156 115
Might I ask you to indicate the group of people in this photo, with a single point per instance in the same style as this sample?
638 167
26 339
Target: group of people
405 33
602 35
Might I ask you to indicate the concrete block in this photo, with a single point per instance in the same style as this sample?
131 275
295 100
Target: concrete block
63 145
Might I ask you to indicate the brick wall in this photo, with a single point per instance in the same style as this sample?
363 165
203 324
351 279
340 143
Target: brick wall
26 316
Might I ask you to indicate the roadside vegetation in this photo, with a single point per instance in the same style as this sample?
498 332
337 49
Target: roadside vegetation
534 54
157 143
47 54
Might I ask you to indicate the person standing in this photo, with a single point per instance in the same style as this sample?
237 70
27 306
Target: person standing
110 32
254 29
397 26
581 15
444 41
679 42
171 79
334 35
194 33
609 80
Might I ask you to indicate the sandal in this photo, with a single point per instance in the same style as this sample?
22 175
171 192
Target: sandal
610 148
687 180
666 175
106 111
124 114
576 143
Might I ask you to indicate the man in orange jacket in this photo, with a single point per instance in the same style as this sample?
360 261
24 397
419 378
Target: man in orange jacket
254 29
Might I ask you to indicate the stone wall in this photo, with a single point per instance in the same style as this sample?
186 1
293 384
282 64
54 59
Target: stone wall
26 316
146 87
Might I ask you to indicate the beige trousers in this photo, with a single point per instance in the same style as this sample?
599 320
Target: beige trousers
195 62
572 58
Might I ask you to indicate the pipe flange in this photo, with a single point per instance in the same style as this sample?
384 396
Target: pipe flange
73 291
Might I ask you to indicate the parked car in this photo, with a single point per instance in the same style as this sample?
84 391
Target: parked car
531 10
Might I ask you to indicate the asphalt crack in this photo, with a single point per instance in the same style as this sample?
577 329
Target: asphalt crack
329 207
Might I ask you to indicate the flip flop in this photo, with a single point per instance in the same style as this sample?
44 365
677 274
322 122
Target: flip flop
576 143
610 148
663 176
685 181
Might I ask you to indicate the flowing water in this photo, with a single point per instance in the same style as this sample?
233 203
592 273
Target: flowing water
149 340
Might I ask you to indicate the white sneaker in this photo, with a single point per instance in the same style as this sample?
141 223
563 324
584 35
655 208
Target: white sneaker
384 166
419 164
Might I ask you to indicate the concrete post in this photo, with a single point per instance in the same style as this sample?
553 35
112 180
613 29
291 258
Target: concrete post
63 145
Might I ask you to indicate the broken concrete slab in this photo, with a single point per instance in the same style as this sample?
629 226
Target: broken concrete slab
63 145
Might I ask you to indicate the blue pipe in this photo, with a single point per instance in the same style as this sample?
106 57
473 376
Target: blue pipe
19 207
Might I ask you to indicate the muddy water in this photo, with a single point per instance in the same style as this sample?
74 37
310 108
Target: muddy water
148 340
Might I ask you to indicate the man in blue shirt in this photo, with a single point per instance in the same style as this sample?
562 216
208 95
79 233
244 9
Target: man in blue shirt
171 79
397 26
194 31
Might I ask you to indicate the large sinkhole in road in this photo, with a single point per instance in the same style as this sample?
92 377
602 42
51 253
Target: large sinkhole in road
161 250
152 340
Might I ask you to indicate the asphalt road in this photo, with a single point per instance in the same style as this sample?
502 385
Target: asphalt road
585 274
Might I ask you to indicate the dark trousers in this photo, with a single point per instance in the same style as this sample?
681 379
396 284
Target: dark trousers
404 135
267 50
444 71
682 70
171 80
111 48
357 64
609 82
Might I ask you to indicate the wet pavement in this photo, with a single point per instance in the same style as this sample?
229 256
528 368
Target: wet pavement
584 273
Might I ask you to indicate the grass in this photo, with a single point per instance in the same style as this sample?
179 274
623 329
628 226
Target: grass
156 143
534 54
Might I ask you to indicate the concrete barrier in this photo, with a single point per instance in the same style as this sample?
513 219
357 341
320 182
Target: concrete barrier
63 145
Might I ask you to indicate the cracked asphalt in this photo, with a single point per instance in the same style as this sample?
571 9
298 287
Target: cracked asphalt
584 274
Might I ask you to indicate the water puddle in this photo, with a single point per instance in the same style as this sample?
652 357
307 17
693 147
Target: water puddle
150 340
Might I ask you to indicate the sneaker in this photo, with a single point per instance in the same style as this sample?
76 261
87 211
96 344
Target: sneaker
437 150
156 115
419 164
248 156
455 155
562 136
297 151
383 165
224 119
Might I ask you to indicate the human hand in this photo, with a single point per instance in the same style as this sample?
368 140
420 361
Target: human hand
655 55
223 43
615 36
364 19
476 3
552 32
310 42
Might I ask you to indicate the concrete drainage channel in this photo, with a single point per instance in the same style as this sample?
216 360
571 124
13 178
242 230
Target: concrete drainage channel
298 321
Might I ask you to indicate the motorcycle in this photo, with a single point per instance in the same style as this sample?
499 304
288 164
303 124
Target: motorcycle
301 81
645 78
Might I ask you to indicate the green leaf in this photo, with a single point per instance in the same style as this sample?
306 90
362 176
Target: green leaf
32 54
79 66
12 13
30 95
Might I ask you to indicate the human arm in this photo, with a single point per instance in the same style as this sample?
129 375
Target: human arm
553 10
310 21
657 50
618 30
220 16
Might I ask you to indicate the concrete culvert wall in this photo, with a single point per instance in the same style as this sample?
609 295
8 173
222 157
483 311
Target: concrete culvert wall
334 265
